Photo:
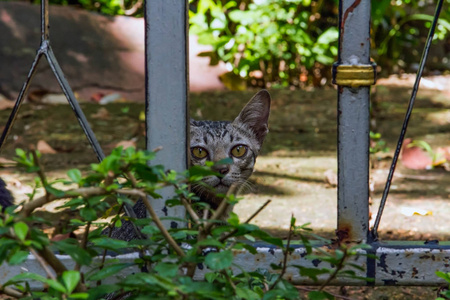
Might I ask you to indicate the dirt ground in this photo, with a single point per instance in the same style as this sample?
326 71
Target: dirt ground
299 150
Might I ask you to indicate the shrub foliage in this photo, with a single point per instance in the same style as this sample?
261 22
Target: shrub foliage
169 258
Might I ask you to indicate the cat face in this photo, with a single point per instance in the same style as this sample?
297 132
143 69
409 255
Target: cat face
239 140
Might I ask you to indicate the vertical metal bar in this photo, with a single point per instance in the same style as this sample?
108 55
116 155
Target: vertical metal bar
45 25
353 124
167 89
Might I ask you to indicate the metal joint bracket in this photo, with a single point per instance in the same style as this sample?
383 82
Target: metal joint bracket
354 75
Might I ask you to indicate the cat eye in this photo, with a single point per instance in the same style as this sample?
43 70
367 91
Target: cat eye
199 152
239 151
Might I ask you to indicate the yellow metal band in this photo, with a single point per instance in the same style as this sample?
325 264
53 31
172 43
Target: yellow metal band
354 75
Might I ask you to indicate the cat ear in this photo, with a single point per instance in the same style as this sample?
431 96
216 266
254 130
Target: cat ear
255 115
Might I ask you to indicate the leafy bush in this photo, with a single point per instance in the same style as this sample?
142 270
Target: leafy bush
399 29
169 256
444 293
295 42
285 42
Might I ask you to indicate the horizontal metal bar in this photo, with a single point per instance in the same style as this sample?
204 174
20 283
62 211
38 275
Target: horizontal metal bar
404 263
411 266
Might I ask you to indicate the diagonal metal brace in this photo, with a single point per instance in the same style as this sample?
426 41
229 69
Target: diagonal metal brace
354 75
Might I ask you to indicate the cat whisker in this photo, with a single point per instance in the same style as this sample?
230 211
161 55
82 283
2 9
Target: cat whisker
245 186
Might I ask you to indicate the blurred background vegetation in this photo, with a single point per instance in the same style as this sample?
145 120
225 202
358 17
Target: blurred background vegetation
294 42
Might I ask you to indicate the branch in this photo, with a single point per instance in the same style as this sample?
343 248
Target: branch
51 259
40 172
155 219
220 211
29 207
231 233
11 292
336 271
84 242
286 253
43 264
188 207
132 10
233 286
105 251
131 177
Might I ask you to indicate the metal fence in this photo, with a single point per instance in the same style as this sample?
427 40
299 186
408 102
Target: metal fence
400 263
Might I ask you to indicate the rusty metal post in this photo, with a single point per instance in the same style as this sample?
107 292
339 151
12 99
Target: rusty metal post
353 73
167 90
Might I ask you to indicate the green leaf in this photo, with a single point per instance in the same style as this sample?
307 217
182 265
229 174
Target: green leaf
21 230
99 291
88 213
210 277
71 279
71 247
79 296
108 271
267 238
329 36
167 269
109 243
443 275
211 242
316 295
312 272
249 248
26 277
20 153
219 260
150 230
201 171
55 192
56 285
18 257
246 293
75 175
233 219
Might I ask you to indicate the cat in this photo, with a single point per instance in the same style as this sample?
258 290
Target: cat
240 140
5 196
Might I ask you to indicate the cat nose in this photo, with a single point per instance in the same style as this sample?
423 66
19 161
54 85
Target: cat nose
222 169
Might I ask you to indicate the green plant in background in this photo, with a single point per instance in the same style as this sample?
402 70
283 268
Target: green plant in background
377 145
294 42
445 293
398 30
437 159
169 256
284 42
